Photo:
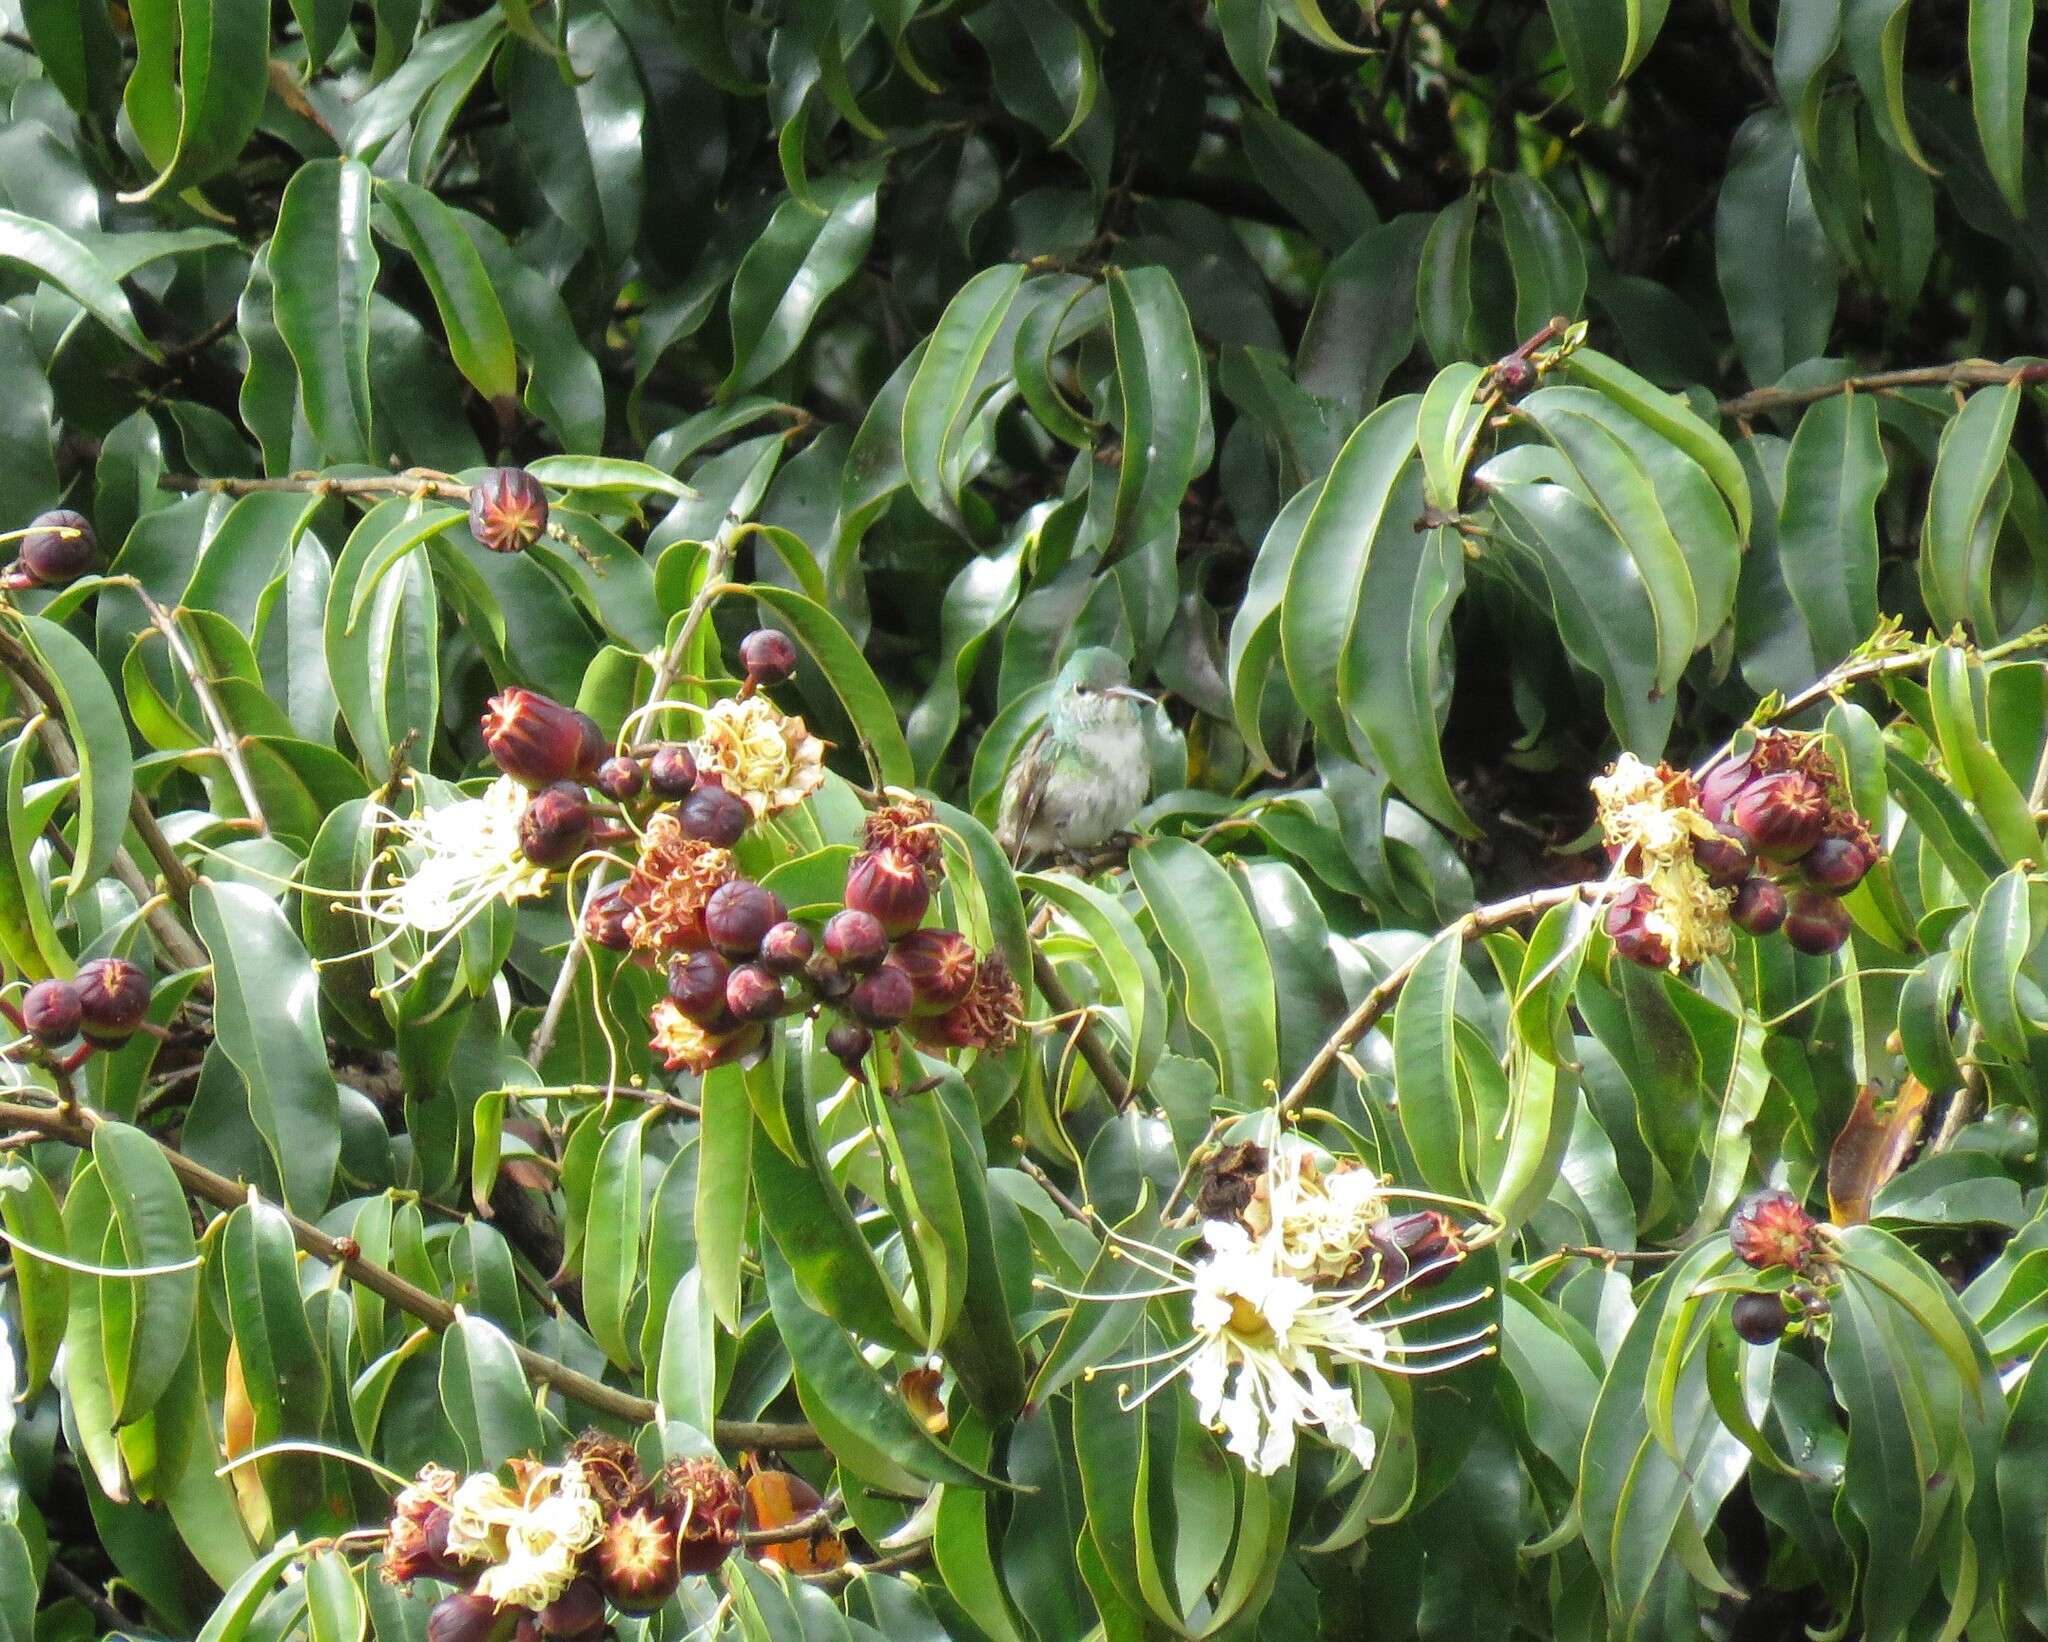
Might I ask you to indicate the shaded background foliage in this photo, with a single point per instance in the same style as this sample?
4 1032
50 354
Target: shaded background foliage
962 337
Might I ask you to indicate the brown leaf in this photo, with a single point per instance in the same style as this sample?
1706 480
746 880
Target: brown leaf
1870 1149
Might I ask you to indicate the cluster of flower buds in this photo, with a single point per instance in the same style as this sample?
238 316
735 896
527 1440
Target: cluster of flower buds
508 510
1764 842
102 1006
58 547
1772 1232
561 1549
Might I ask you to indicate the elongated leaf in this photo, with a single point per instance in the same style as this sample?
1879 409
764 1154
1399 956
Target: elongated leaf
1999 31
479 338
223 53
1964 504
48 253
1827 525
962 362
156 1231
1777 275
106 774
1165 404
1544 251
799 260
611 1249
852 679
323 264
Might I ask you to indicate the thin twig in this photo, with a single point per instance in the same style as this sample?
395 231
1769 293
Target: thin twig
802 1528
74 1125
1963 373
1093 1050
225 741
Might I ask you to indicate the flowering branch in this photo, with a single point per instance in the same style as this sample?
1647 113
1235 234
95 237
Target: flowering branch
74 1126
1964 373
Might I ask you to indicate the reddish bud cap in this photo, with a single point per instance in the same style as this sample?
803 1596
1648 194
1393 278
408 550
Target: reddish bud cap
636 1560
1773 1229
890 884
576 1614
1419 1248
59 548
1784 814
608 921
1627 927
508 510
941 965
855 940
672 771
768 655
1725 858
468 1617
753 994
1759 1318
1720 785
697 985
554 827
113 996
1817 924
621 779
1760 906
786 948
536 740
714 816
52 1012
738 914
849 1044
884 998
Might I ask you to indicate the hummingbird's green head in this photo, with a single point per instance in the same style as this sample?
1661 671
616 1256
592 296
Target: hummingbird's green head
1093 689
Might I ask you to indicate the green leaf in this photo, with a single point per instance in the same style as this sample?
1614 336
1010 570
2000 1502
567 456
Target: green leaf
1827 524
1215 942
98 736
1443 286
1594 37
1120 950
1426 1068
1309 182
223 60
232 1618
1973 769
2000 939
1874 31
266 1012
1965 504
49 254
75 42
963 363
1998 34
323 264
800 259
1164 405
1447 427
724 1190
335 1609
156 1231
1777 275
479 339
1043 63
29 1213
852 679
1669 415
1544 252
485 1394
611 1245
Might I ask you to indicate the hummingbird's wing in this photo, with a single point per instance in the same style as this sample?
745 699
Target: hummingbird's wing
1022 795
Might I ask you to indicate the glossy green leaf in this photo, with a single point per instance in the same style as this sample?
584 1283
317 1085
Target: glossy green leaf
1998 35
1827 526
323 263
1163 404
222 80
100 740
478 336
156 1232
799 260
1964 505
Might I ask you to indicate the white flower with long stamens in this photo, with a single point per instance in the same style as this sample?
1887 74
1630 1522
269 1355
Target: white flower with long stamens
558 1520
457 859
1316 1215
1649 817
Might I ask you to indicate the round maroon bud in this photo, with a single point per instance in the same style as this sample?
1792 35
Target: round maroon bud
855 940
467 1617
714 816
1725 858
1514 376
883 998
697 983
941 965
608 920
1759 906
536 740
1720 785
1784 814
59 548
1836 865
752 994
828 978
1773 1229
636 1560
621 779
577 1613
1817 924
554 827
849 1044
508 510
113 996
786 948
1628 927
738 914
1418 1249
51 1012
768 655
1759 1318
672 771
890 883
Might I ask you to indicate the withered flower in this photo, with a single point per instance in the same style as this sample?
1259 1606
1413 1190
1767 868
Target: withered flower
987 1018
905 823
671 882
766 759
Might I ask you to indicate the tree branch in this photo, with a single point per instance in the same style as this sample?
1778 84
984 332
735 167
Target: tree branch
1093 1050
1964 373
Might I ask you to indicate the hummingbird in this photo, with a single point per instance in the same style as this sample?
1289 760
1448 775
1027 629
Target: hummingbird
1081 779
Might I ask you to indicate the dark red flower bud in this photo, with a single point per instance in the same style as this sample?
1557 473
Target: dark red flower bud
621 779
508 510
855 940
554 828
697 984
672 772
1725 858
713 815
1783 814
59 548
113 996
1773 1229
51 1012
707 1502
768 655
1759 906
1759 1318
1720 786
828 978
1422 1246
1514 376
416 1546
890 884
941 965
1627 927
738 914
468 1617
536 740
753 994
1817 924
1836 864
883 998
786 948
577 1613
608 921
849 1044
636 1560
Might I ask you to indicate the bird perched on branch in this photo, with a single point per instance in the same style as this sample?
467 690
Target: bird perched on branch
1082 778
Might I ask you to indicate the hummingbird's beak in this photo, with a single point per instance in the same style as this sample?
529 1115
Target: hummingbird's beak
1125 693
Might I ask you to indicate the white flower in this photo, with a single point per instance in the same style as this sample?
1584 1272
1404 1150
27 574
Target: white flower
560 1520
1318 1218
1649 817
458 858
478 1515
